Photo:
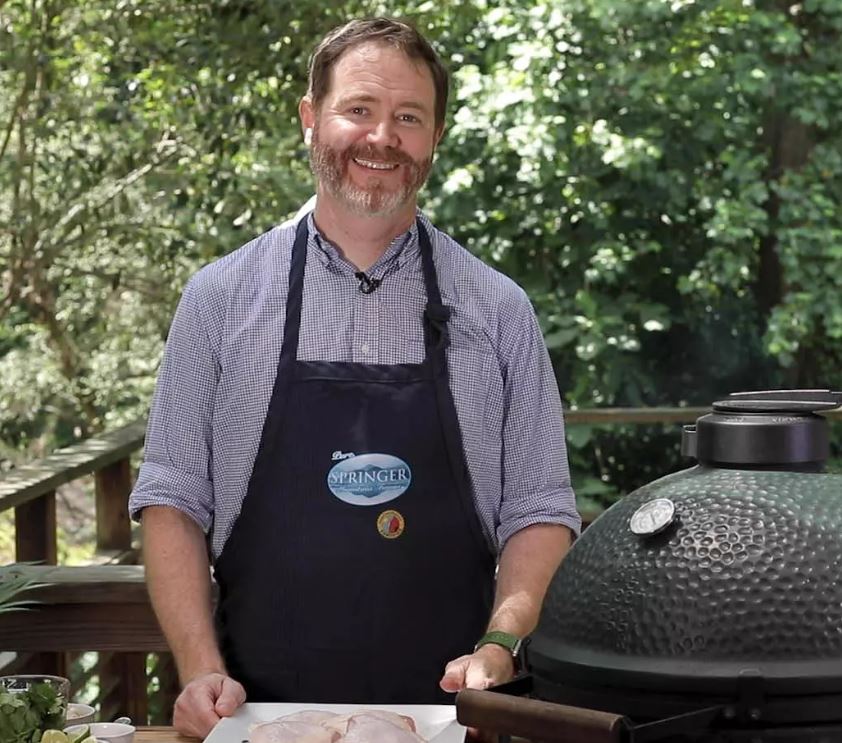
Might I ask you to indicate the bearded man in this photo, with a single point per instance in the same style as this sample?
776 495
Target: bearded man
358 420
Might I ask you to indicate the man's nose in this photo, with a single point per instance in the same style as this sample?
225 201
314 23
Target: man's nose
384 134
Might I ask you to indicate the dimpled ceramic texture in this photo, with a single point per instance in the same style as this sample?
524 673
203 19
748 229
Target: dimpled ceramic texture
749 569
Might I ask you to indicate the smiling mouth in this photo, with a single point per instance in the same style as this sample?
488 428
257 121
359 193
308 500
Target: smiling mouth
374 165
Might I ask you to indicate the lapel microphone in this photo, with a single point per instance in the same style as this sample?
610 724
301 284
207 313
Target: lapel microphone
367 284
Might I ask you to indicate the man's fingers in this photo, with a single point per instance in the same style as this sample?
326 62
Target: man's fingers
194 713
453 680
478 676
204 701
475 735
196 725
454 674
232 696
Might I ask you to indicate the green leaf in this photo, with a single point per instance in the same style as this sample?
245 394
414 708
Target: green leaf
12 584
560 338
578 435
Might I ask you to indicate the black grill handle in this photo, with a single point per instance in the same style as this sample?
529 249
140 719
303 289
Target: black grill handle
536 720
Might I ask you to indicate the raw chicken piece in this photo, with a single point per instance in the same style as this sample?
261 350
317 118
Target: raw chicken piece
369 729
341 722
314 716
402 721
283 731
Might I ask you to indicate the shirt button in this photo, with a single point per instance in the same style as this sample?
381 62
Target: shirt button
365 348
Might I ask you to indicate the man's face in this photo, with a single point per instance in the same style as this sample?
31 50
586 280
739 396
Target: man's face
374 133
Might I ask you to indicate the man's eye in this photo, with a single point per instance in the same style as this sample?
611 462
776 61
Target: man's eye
358 110
409 118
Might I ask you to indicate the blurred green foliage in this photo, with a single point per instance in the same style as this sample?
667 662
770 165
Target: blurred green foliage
662 177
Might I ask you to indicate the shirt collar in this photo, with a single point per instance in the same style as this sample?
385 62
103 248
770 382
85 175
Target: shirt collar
402 249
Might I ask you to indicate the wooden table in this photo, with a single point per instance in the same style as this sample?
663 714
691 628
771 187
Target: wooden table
161 735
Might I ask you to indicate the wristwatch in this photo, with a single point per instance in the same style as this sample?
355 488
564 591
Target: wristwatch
512 643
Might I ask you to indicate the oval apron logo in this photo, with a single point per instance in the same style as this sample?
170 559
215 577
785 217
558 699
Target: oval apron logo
369 479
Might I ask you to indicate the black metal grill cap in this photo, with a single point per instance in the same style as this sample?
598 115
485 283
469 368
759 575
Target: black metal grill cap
768 429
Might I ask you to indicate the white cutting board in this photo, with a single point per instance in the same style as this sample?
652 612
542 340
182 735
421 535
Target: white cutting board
435 722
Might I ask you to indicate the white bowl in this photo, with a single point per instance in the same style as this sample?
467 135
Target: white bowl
106 732
79 714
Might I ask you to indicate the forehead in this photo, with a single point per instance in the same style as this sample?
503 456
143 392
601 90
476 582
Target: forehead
379 69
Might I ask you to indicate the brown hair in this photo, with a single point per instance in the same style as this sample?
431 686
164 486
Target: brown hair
390 31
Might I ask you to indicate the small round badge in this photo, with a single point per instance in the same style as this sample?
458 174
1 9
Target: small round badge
390 524
652 517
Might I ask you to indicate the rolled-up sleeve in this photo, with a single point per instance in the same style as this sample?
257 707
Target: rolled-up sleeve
176 470
536 477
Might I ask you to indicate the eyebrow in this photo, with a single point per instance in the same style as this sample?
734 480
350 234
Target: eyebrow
365 98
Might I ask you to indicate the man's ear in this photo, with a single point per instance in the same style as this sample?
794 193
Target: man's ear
437 137
306 113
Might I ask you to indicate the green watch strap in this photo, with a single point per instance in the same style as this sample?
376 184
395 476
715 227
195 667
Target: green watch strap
511 642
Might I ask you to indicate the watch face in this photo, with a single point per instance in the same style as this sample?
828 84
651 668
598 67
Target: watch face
652 517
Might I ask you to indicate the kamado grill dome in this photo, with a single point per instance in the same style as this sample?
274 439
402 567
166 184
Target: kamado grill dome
706 605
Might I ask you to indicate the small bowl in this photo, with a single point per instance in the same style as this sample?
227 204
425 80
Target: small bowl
80 714
105 732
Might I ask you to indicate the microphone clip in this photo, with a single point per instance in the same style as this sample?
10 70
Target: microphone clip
367 284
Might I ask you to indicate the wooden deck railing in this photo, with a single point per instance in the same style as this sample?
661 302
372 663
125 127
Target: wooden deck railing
87 609
31 491
105 608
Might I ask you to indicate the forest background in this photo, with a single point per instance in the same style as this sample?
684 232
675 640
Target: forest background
662 177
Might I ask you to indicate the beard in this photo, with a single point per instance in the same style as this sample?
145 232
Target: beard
376 198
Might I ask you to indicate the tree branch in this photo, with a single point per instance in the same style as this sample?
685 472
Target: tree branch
20 103
23 96
149 288
101 194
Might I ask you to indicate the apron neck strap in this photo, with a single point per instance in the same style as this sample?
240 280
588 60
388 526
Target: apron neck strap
292 323
430 278
436 314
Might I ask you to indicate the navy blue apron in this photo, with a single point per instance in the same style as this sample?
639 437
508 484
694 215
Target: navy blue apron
357 567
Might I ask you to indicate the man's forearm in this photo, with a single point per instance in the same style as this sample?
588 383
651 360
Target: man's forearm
527 564
178 578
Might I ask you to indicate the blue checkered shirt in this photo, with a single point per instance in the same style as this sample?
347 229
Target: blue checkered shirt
222 352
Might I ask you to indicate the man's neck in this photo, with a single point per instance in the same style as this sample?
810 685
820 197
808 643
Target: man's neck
361 240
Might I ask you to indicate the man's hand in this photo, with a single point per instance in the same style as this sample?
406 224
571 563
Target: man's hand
488 666
204 701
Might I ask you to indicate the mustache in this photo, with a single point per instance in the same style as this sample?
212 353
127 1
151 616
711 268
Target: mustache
368 152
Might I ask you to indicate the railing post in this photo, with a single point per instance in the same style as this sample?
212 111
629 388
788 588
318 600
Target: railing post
52 664
113 485
122 678
35 541
161 702
35 530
